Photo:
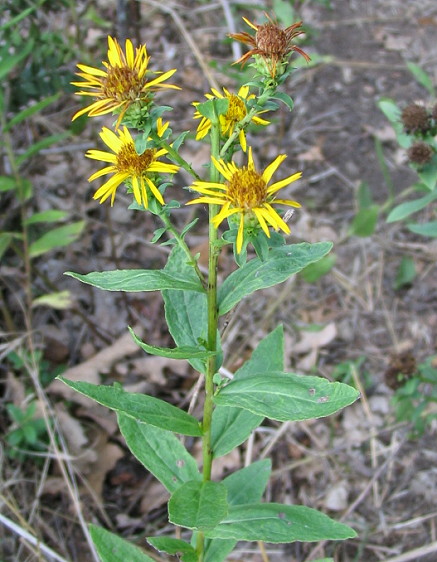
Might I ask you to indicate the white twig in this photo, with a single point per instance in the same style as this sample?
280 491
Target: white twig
30 538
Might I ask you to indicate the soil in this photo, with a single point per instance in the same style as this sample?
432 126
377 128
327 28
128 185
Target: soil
361 466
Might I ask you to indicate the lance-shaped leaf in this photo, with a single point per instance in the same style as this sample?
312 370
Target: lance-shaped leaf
198 505
111 547
244 486
134 280
169 545
287 396
278 523
140 407
186 312
183 352
160 451
232 426
256 274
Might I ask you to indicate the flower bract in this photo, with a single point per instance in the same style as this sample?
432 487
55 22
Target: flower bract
141 171
247 192
236 112
273 44
124 81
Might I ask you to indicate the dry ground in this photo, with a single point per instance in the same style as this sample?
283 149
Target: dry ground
360 466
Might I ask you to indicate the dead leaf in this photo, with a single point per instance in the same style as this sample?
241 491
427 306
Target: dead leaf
90 370
336 498
314 340
313 154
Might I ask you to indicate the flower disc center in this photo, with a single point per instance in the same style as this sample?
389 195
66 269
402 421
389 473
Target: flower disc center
129 161
123 83
271 40
247 189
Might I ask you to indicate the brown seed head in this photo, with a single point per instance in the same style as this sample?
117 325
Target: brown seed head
402 367
420 153
272 41
415 118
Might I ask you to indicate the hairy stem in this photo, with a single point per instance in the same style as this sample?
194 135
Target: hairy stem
212 333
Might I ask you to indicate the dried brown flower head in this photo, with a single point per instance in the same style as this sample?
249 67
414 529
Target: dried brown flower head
415 118
402 367
420 153
271 43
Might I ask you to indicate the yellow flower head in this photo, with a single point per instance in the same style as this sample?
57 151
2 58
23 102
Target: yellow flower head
247 192
125 81
236 112
140 170
271 43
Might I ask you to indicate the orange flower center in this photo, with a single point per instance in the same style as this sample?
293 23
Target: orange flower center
236 109
247 189
123 84
128 160
271 40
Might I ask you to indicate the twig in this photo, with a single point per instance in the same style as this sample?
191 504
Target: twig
191 43
28 537
415 554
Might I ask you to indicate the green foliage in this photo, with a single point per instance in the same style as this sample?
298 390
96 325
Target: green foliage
414 401
27 434
283 262
111 547
405 274
278 523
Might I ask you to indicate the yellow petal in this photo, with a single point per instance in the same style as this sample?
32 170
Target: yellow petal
271 168
282 183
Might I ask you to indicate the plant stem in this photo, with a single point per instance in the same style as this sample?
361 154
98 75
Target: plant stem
175 155
183 245
208 406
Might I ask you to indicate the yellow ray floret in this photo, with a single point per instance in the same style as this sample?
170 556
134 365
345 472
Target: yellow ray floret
140 170
247 192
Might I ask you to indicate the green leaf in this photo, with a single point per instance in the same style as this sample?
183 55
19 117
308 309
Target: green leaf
284 11
8 61
59 301
281 264
285 98
232 426
244 486
406 273
428 174
112 548
140 407
364 196
278 523
198 505
186 312
409 207
135 280
390 110
6 239
7 183
46 142
364 222
313 272
185 352
247 485
286 396
422 77
52 215
425 229
267 356
160 451
56 238
211 109
29 111
184 550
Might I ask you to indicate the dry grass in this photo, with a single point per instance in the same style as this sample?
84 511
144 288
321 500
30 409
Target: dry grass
360 466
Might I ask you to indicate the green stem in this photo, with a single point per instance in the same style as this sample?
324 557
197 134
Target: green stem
212 333
183 245
175 155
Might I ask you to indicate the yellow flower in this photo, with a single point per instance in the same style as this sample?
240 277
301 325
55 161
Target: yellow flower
125 81
247 192
140 170
236 112
271 43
